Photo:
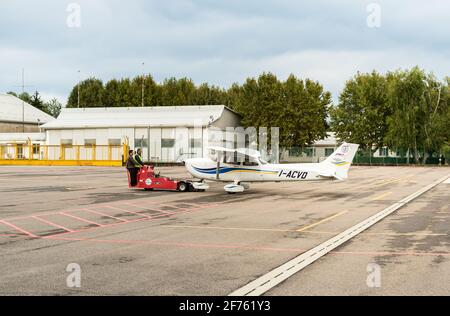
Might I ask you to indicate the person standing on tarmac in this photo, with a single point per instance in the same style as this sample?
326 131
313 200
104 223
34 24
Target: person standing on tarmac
138 157
133 167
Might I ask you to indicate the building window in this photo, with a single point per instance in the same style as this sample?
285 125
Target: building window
298 151
329 152
295 152
140 143
66 142
383 152
309 151
90 142
167 143
114 142
36 148
195 142
20 151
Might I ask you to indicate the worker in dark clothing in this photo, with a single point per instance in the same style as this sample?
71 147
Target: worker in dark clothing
138 157
133 168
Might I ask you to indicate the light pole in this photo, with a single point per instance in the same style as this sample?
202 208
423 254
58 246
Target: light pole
78 88
23 102
143 80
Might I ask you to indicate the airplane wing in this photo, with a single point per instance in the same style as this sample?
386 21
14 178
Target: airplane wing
242 151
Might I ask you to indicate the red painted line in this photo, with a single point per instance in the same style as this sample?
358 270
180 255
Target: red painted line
152 209
81 219
178 244
126 211
121 221
106 215
179 208
51 223
111 225
205 205
41 214
197 206
238 246
18 229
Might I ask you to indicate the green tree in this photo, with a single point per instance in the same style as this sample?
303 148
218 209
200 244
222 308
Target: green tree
151 91
297 107
437 116
53 107
178 92
91 94
363 110
25 96
37 102
407 95
120 93
233 96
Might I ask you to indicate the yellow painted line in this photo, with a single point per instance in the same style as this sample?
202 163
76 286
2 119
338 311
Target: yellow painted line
322 221
393 180
294 230
230 228
382 196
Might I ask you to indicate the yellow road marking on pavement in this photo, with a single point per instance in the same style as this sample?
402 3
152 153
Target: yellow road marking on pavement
384 182
230 228
295 230
322 221
382 196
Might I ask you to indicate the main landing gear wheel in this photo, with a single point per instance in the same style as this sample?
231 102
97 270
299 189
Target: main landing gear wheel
182 187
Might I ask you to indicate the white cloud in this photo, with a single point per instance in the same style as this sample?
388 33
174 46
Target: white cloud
219 41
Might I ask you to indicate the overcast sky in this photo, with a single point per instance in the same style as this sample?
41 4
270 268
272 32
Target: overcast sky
217 41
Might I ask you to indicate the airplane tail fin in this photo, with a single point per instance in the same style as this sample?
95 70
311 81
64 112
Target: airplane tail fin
340 161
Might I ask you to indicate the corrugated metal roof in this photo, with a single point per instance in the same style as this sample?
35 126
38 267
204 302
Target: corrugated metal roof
11 111
137 116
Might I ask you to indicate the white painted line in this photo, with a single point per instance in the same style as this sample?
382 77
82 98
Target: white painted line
283 272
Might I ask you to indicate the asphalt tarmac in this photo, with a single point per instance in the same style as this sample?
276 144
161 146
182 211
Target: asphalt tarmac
132 242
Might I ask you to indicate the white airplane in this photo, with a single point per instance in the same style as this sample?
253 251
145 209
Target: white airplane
249 167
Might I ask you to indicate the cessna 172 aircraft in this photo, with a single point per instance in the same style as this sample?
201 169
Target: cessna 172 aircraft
249 167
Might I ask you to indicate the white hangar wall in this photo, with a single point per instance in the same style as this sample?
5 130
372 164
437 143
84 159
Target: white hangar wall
168 134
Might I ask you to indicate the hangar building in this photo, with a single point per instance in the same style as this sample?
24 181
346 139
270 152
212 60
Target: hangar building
17 116
166 133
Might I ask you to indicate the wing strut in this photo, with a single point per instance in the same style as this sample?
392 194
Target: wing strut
218 170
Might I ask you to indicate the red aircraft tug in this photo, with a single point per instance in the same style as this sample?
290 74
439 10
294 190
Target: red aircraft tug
148 180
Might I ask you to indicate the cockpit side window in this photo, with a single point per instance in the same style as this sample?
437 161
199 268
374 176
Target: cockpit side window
250 163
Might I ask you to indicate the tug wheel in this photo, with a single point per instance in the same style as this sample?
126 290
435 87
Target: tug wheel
182 187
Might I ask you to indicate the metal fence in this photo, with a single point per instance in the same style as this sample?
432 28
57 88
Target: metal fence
27 151
364 158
